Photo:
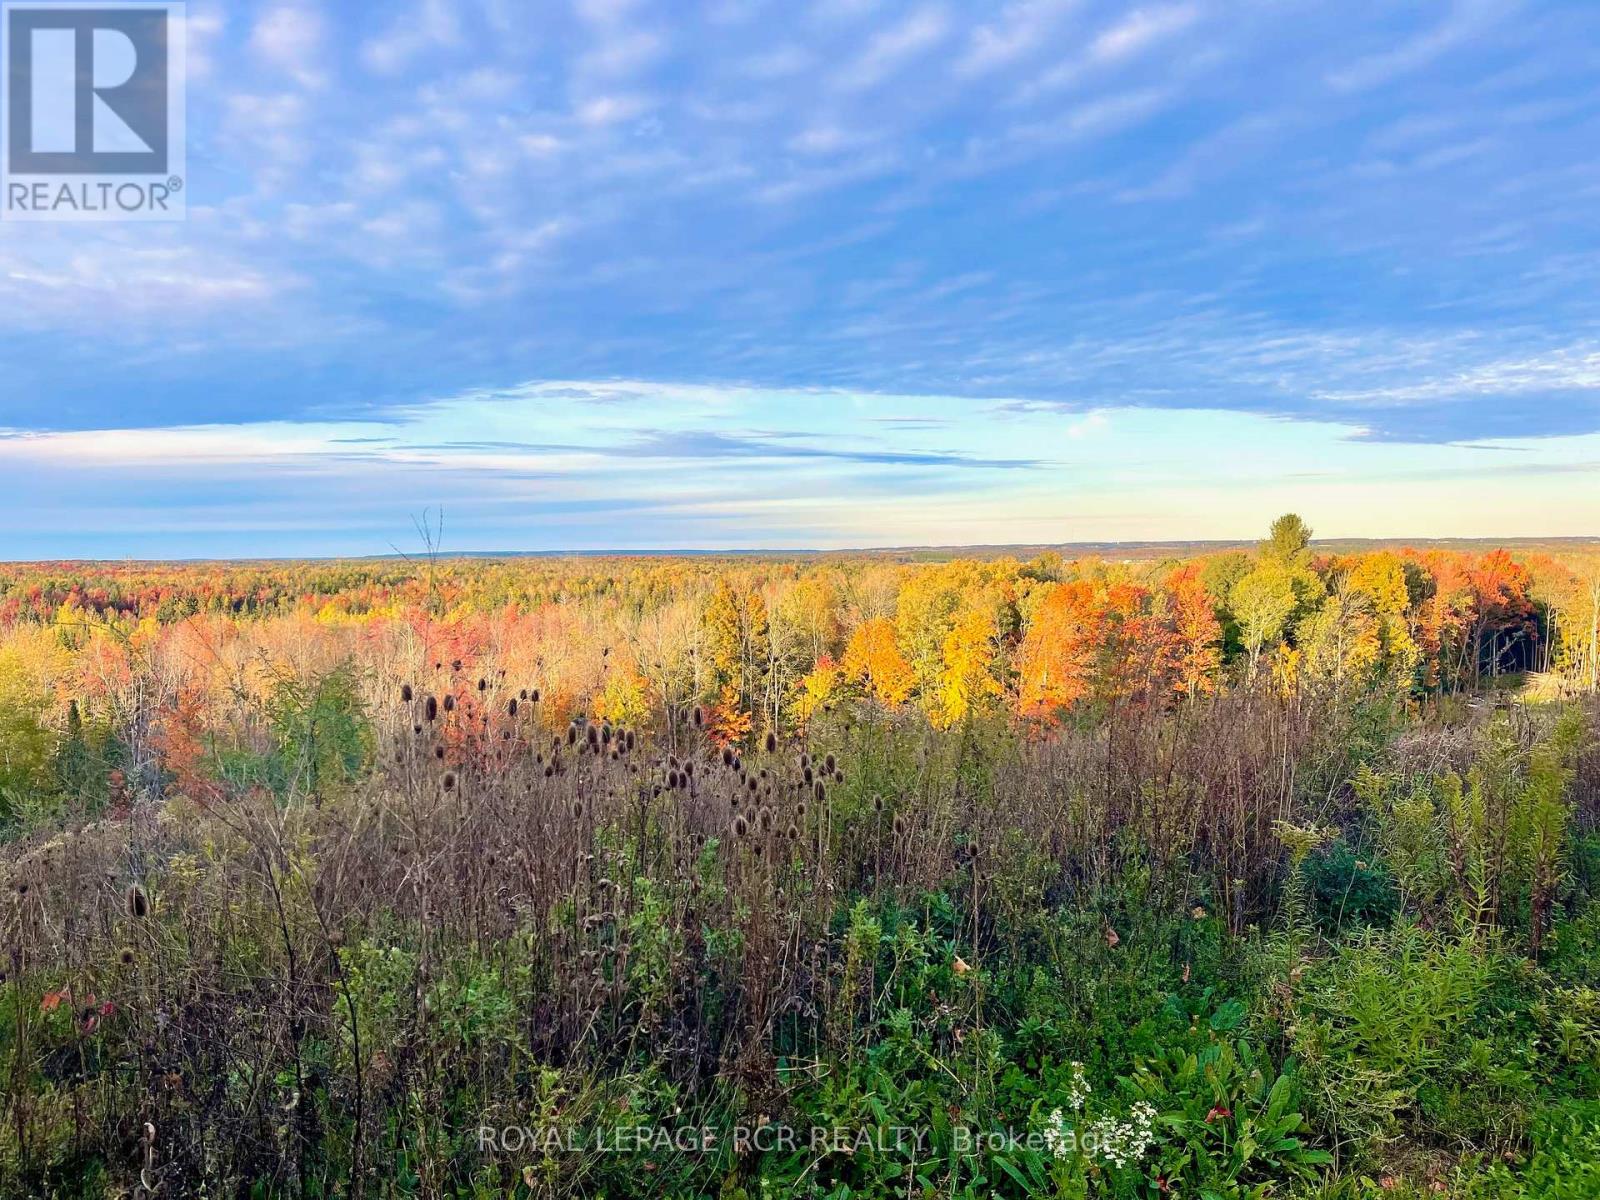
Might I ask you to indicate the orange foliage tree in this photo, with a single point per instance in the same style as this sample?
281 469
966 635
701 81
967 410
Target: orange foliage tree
873 659
1055 664
1192 632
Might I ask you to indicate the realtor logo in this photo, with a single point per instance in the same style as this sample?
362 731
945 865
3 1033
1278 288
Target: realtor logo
94 111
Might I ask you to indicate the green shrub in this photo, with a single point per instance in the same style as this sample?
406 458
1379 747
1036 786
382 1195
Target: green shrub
1228 1124
1349 892
1377 1022
1564 1164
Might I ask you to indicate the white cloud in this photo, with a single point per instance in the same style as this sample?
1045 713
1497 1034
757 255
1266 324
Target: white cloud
605 12
1021 28
893 48
1141 29
431 26
163 284
202 33
575 463
1095 118
1467 19
824 139
623 53
611 109
290 37
1573 369
775 64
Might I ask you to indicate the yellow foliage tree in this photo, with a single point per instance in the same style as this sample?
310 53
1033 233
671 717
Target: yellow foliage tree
965 678
873 659
815 689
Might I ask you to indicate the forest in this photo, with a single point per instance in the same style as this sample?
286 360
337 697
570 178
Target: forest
1247 873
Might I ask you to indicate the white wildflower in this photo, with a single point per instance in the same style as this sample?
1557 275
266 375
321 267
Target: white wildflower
1122 1142
1078 1090
1058 1139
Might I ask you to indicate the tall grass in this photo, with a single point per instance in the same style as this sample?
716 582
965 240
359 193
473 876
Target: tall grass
369 917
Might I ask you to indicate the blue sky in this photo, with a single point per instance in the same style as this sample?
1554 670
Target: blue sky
600 273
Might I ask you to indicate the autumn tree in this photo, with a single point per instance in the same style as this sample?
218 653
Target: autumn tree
1289 541
1341 643
1055 663
873 660
1500 588
965 678
1381 580
1444 618
814 690
1193 635
722 634
736 644
1219 573
924 615
1263 602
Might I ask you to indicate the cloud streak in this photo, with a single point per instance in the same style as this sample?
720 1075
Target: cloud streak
1369 222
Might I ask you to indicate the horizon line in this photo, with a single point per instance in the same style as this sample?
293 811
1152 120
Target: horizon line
811 552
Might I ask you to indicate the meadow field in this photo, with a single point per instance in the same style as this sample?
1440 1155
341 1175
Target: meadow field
1192 872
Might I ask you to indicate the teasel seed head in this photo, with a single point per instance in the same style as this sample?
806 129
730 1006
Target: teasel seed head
572 733
772 742
449 780
899 825
877 804
138 902
740 826
450 703
405 693
511 708
821 793
697 718
430 709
